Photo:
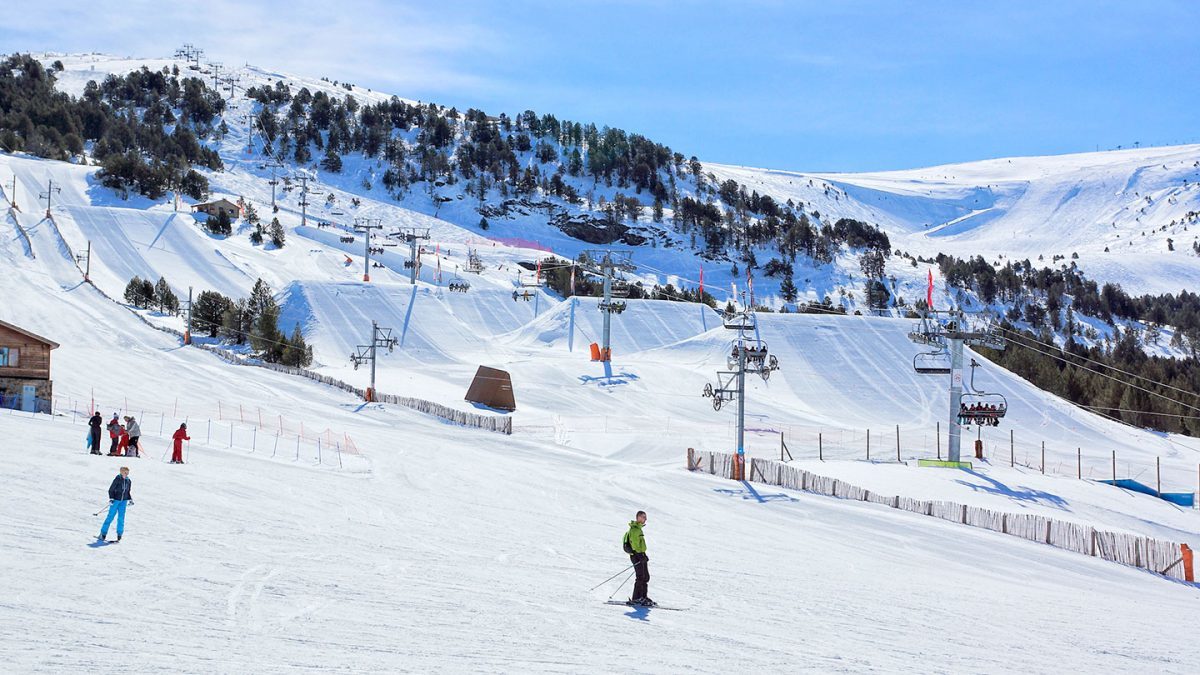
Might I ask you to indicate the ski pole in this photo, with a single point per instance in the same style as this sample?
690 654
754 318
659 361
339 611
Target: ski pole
102 509
611 578
622 585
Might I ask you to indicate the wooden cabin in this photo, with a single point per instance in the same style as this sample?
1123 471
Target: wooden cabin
215 207
25 382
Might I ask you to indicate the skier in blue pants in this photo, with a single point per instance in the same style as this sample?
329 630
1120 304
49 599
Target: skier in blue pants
119 496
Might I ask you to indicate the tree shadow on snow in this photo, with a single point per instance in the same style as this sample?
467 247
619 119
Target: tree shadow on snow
1020 494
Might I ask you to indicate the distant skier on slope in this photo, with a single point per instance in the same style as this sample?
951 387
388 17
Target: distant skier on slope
135 432
119 496
179 437
122 441
114 432
95 424
635 546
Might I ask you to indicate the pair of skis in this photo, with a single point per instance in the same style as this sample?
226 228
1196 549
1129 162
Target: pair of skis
626 603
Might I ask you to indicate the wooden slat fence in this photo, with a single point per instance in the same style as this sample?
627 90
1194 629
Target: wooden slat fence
1156 555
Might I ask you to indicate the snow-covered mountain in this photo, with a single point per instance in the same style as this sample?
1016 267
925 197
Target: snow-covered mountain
1122 212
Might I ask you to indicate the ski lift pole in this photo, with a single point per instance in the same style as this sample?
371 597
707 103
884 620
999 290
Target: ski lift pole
741 409
374 342
956 385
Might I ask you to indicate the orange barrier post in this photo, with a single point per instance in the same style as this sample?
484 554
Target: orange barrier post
595 351
1187 563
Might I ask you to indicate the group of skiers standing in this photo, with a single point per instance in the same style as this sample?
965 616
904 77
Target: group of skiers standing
125 437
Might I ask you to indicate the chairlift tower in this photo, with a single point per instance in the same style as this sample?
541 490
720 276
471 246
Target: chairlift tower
365 225
474 262
48 195
748 355
380 337
606 262
414 236
275 166
957 331
303 178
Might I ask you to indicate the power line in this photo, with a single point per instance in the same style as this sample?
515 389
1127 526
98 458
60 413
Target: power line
1100 363
1106 375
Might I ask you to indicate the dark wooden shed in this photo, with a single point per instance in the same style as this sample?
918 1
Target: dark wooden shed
492 388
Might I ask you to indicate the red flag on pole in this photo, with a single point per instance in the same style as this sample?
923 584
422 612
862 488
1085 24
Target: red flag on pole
929 291
702 283
539 272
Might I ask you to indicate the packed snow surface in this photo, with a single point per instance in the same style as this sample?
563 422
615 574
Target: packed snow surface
422 546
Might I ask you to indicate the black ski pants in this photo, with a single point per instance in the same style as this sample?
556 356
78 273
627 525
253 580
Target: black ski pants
641 569
95 439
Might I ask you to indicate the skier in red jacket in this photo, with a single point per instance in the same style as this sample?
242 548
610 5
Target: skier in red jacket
180 436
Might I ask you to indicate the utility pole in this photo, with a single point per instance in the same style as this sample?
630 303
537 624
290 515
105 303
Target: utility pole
303 178
365 225
275 166
412 235
606 262
380 337
187 330
749 355
216 68
86 259
51 189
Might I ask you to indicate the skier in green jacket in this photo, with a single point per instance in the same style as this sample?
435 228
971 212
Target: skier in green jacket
635 546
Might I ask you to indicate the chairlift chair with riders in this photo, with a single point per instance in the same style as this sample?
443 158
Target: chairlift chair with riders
458 284
981 407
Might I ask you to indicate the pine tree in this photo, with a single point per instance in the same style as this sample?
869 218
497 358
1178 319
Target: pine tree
165 297
297 353
265 336
235 320
133 292
147 293
332 161
788 289
208 311
276 232
483 224
220 224
256 236
261 300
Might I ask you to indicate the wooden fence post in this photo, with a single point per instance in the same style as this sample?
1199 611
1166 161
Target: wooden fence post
689 458
1158 473
1114 456
1043 458
1079 463
898 443
868 445
820 448
1012 460
939 440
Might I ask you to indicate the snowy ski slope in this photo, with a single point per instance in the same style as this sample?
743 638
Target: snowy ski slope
445 549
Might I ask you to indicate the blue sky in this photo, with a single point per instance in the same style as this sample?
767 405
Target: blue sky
833 86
